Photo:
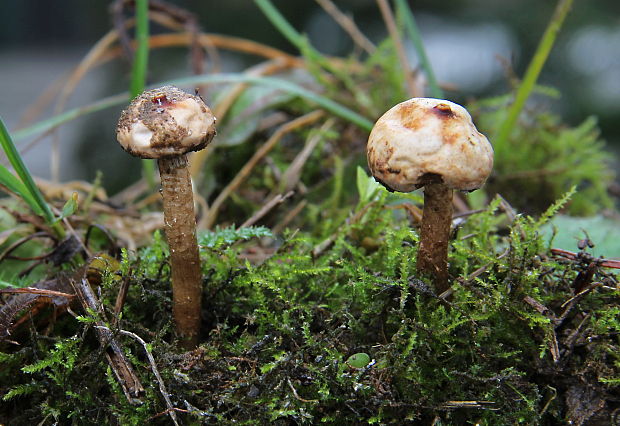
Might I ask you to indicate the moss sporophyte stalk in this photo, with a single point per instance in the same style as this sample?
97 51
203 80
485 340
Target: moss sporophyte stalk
165 124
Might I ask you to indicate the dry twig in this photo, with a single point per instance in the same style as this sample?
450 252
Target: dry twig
291 176
289 217
162 387
348 25
278 199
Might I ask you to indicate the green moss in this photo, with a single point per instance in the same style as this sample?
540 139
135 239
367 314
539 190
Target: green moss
543 158
280 332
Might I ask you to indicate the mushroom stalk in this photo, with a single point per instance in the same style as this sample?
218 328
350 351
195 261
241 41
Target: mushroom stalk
165 124
180 229
435 234
430 143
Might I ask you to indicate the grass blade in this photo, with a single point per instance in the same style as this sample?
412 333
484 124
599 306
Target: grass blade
16 186
326 103
139 70
141 55
313 56
286 86
29 187
533 71
404 12
55 121
278 21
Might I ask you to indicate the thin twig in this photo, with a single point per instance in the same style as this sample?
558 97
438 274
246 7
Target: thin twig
278 199
469 404
296 395
289 217
291 176
6 254
121 28
190 22
223 42
42 292
71 230
160 381
348 25
167 411
120 299
607 263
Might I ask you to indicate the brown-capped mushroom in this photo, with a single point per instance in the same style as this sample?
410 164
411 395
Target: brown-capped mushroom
430 143
165 124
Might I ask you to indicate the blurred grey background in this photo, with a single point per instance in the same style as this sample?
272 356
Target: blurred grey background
469 42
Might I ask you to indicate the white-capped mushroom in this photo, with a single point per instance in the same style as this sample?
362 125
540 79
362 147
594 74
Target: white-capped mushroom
165 124
430 143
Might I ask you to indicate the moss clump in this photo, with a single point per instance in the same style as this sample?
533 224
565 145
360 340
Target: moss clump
512 343
544 158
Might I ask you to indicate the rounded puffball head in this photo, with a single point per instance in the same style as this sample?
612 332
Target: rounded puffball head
423 140
165 122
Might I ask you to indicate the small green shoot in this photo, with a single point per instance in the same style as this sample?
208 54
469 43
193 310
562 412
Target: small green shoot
69 208
367 186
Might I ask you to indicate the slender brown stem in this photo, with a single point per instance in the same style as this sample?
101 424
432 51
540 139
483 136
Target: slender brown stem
390 23
180 227
435 233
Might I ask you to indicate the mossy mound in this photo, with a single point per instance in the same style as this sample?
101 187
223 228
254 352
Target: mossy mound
304 331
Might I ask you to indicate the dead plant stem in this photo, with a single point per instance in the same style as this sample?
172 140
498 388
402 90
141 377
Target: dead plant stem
390 23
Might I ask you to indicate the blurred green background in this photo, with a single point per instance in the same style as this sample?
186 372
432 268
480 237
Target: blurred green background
474 45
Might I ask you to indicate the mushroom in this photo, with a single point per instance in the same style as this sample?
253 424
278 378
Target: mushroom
165 124
430 143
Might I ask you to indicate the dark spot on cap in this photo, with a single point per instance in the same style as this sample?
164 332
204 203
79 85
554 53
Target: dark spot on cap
443 110
393 171
161 100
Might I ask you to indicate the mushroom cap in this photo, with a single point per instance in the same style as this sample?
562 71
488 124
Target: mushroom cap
426 140
165 122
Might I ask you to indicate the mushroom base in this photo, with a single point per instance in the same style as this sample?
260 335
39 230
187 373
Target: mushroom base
435 233
180 228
